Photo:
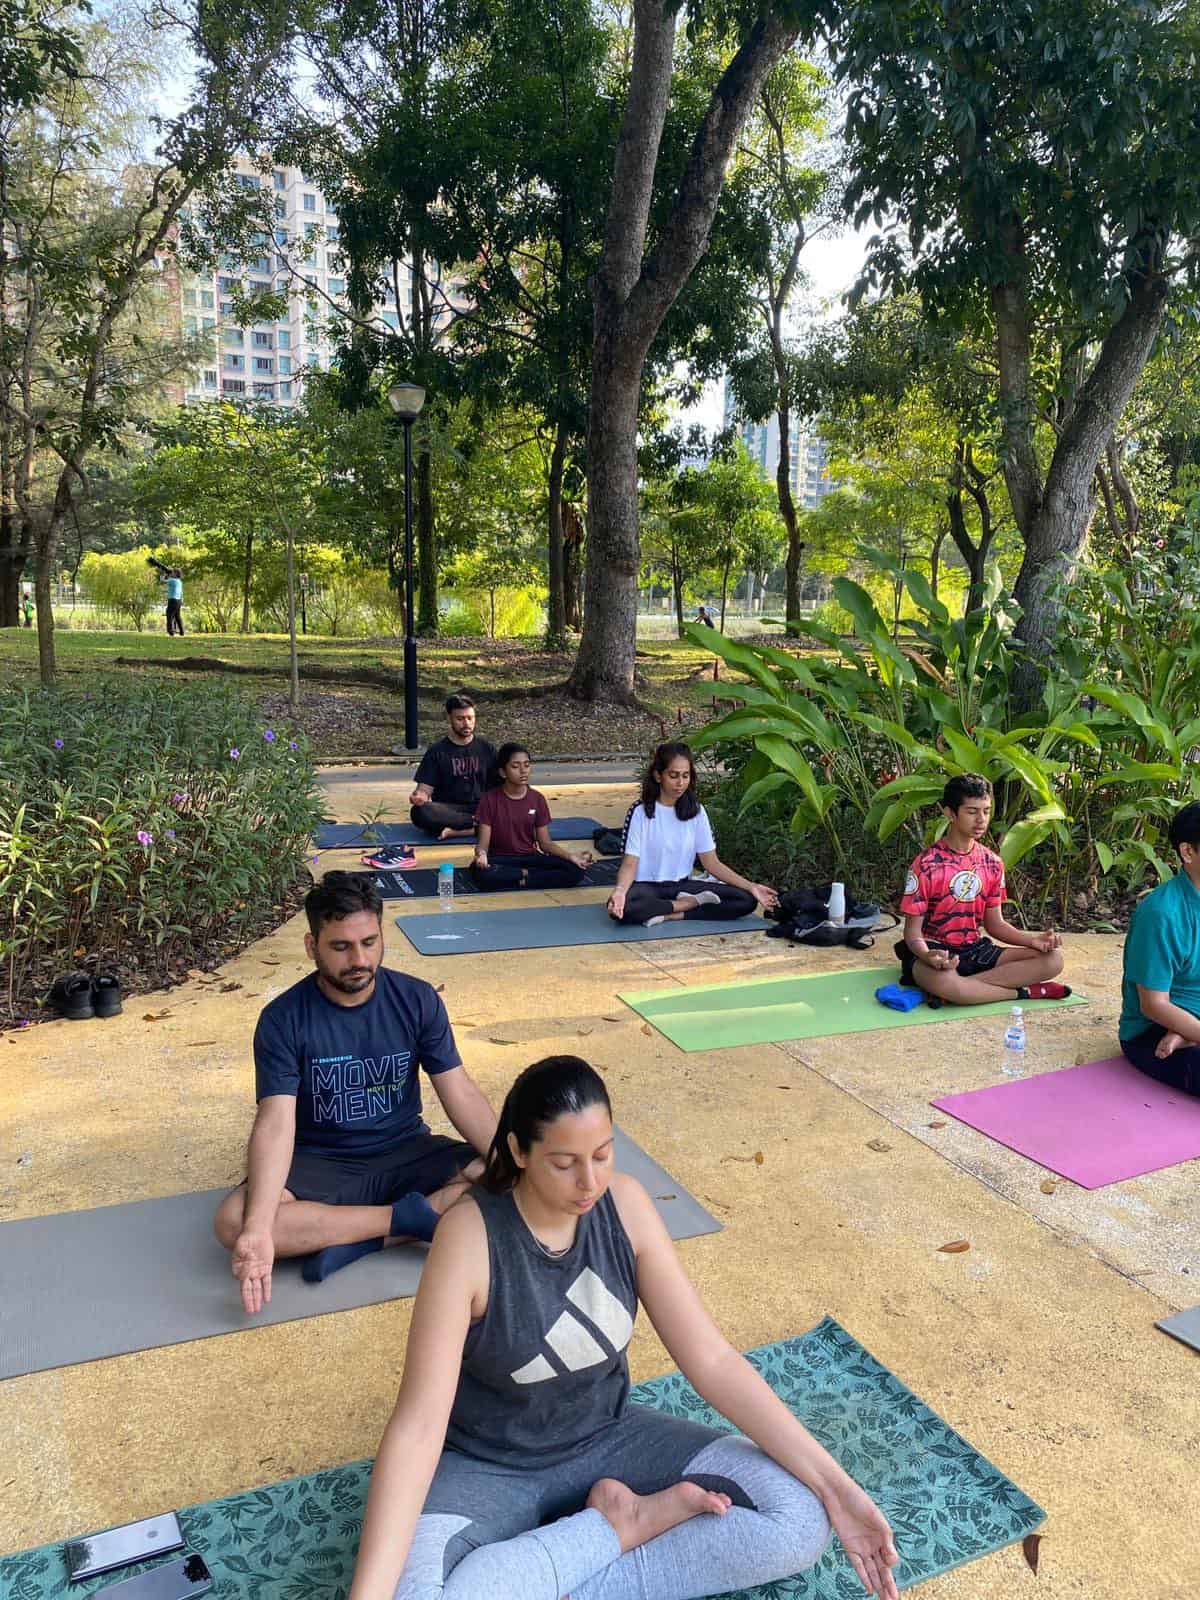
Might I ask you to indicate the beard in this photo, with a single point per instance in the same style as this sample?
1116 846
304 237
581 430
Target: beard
346 982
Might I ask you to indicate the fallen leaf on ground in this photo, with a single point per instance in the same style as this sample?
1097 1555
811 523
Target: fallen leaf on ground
271 961
646 1028
878 1144
1048 1186
440 988
757 1158
955 1247
783 1086
657 1196
1029 1549
154 1016
493 1040
194 1044
228 988
610 1019
941 1124
195 972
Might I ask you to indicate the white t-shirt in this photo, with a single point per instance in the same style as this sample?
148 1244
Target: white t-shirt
666 848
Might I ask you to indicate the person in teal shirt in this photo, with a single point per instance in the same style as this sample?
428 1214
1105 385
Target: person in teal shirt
175 601
1160 989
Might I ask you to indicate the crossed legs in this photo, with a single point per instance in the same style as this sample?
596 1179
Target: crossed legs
1016 969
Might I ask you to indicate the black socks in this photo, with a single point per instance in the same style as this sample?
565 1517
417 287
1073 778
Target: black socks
412 1218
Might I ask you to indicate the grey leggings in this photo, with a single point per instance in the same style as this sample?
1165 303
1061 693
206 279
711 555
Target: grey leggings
488 1530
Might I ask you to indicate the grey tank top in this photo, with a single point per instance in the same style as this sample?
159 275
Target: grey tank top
544 1370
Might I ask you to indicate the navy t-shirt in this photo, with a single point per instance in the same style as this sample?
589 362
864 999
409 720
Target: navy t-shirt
353 1069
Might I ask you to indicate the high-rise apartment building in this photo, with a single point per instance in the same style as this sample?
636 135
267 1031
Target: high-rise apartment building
268 359
809 474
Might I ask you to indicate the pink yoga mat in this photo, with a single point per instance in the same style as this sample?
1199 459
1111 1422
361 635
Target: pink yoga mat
1094 1124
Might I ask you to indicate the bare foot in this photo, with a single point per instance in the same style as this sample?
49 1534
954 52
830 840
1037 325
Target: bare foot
455 833
638 1518
1167 1045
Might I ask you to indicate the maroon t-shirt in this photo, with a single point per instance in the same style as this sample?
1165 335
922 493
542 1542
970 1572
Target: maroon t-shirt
514 823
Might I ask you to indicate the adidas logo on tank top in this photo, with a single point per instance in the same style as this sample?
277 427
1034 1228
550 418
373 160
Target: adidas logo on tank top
570 1339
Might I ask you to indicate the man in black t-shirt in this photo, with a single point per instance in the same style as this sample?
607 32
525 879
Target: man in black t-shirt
340 1161
452 775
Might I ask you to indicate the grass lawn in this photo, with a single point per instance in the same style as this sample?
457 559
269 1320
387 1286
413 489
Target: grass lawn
349 719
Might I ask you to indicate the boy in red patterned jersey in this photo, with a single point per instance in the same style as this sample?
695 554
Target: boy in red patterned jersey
955 889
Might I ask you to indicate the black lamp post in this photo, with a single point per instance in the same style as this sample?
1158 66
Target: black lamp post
406 400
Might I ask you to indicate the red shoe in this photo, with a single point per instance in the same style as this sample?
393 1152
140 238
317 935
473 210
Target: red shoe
1044 991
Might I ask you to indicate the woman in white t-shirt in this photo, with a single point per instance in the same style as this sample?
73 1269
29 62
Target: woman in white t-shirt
664 834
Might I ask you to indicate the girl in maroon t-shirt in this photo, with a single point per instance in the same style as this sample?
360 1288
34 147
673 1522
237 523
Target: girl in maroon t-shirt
513 848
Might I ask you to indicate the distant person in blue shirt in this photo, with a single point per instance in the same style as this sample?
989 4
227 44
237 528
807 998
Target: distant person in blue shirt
1160 994
340 1161
175 601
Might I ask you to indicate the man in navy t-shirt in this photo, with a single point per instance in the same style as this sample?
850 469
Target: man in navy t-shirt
340 1161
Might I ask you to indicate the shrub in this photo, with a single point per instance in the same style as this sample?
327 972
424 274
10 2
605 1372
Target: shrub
123 584
863 738
138 821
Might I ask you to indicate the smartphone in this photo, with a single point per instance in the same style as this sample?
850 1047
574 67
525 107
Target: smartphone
121 1547
174 1580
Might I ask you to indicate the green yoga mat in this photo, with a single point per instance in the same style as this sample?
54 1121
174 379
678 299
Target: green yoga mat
712 1016
297 1540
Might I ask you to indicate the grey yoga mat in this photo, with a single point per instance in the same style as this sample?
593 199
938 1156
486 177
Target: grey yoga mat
421 883
1184 1326
465 931
350 835
81 1285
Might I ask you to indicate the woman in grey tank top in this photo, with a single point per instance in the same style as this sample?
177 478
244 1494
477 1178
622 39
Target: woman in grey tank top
514 1466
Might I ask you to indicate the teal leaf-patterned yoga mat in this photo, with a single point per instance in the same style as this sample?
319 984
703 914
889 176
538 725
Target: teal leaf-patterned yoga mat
297 1540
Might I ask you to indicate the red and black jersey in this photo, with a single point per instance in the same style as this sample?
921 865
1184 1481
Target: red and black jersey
951 890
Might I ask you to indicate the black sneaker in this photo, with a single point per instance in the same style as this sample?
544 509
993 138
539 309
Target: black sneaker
106 996
71 997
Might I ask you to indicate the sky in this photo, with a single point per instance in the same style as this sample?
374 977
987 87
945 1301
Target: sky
832 266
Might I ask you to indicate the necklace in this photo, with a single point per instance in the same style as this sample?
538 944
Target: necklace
544 1248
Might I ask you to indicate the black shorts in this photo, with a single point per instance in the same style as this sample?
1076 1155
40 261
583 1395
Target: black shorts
422 1164
973 959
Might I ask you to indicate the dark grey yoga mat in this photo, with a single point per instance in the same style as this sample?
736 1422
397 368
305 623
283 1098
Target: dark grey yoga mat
463 932
349 835
421 883
82 1285
1184 1326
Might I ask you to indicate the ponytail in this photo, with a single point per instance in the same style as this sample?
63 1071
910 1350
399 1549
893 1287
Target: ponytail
551 1088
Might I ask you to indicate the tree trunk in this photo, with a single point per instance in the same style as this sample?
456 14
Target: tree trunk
724 589
604 667
783 489
427 565
294 659
935 562
573 566
47 549
1056 535
631 296
247 577
677 592
556 606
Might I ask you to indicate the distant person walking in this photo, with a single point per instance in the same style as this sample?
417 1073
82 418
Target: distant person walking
175 601
27 608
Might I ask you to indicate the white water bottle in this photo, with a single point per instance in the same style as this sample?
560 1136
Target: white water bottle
837 904
446 886
1013 1064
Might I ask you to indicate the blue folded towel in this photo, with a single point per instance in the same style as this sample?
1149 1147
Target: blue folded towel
891 994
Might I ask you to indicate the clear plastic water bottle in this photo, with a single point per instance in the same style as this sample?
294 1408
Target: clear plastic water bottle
446 886
1013 1064
837 904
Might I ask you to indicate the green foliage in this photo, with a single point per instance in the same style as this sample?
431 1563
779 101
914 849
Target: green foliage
871 730
497 613
139 821
125 584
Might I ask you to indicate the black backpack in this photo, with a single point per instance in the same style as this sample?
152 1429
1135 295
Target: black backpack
802 916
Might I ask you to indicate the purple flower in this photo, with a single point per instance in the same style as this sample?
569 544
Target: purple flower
292 745
314 859
234 753
180 797
269 735
170 833
58 744
145 838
